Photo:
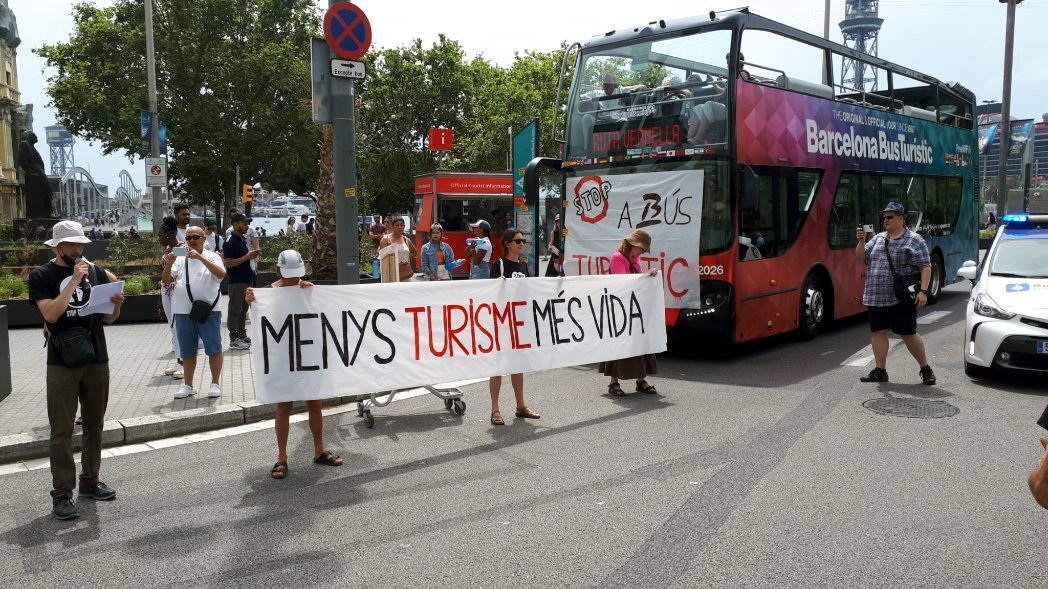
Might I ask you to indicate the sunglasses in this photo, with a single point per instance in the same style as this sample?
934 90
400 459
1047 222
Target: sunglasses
888 217
194 237
518 241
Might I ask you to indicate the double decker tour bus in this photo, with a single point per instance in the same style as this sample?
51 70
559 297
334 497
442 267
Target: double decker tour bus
750 157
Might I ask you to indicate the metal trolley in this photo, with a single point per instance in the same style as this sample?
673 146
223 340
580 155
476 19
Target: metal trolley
452 397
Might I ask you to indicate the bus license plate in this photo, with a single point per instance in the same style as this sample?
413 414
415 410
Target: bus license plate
1042 347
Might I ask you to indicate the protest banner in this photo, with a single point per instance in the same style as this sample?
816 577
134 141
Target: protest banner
603 210
323 341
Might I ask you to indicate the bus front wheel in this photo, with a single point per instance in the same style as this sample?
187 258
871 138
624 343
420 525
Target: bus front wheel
813 307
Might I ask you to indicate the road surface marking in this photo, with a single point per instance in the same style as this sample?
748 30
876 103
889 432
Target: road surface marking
930 317
865 355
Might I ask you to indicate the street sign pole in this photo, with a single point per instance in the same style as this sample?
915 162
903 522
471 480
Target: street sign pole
154 135
344 147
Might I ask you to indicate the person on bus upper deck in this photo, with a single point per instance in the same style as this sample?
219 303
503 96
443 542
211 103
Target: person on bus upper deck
610 87
909 255
713 110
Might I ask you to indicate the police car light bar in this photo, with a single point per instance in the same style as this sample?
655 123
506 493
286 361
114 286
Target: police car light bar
1015 219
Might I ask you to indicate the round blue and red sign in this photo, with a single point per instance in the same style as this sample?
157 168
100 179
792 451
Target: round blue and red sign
348 30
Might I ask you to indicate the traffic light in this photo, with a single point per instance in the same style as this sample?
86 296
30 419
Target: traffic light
247 192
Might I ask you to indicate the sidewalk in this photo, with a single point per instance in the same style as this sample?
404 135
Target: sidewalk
141 398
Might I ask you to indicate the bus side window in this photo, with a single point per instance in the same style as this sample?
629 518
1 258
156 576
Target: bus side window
771 222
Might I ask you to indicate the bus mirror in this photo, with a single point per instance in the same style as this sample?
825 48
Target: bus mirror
749 183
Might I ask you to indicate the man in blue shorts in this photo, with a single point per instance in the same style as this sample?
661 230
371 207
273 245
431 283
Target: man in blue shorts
909 255
196 276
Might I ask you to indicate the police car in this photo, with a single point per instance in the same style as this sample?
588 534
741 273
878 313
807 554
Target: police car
1007 317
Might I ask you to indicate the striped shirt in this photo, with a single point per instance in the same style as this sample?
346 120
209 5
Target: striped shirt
909 254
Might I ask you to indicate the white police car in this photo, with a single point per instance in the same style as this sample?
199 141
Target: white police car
1007 318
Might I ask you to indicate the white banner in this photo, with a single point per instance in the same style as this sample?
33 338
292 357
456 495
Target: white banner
603 210
325 341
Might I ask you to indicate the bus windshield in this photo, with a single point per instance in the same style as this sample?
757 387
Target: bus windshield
650 96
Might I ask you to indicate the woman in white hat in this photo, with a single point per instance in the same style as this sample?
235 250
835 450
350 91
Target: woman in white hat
292 268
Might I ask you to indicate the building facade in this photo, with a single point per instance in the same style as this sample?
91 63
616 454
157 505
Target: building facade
11 116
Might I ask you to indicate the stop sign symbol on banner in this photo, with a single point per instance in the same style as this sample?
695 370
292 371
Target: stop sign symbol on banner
441 139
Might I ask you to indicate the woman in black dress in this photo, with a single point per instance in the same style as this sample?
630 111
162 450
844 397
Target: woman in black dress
510 266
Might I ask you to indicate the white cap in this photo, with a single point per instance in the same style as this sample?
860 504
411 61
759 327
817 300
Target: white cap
67 232
291 264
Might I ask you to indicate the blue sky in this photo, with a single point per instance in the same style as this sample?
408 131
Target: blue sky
960 40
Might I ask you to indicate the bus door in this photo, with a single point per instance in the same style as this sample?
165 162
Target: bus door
773 206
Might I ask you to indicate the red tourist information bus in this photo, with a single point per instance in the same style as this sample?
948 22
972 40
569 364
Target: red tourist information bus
456 199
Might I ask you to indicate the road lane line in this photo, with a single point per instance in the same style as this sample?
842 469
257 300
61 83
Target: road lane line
865 355
930 317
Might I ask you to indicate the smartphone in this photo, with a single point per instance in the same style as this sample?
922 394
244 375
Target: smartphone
868 229
1043 421
180 251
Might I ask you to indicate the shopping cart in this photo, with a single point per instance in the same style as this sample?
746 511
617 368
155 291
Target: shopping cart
452 397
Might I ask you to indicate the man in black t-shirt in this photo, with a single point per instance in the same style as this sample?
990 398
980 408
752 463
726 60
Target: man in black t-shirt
61 288
238 256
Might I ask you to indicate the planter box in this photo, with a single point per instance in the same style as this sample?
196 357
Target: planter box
984 244
136 308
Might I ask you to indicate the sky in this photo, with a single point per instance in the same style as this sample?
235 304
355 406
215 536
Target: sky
953 40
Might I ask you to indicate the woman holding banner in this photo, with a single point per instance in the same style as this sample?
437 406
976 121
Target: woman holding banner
627 261
292 267
510 266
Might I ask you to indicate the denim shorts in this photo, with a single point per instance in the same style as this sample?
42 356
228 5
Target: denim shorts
188 332
480 270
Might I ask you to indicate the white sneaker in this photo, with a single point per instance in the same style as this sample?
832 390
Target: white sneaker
184 391
237 344
178 374
214 392
172 370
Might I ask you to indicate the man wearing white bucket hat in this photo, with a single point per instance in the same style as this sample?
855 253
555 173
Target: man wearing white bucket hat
77 363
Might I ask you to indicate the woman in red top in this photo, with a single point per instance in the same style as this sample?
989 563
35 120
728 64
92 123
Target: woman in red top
627 261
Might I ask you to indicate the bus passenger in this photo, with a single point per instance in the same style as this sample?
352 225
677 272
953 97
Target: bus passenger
627 261
712 111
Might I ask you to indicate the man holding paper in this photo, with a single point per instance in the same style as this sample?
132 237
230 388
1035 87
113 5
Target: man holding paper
77 362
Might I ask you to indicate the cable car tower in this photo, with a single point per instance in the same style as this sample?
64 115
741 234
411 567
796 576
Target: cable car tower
860 28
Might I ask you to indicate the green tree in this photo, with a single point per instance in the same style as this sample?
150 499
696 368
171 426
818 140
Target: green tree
232 82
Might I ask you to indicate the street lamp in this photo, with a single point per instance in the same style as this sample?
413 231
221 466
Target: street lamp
1006 104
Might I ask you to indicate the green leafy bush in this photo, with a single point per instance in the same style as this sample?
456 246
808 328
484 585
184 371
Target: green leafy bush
7 232
986 234
136 285
273 245
13 287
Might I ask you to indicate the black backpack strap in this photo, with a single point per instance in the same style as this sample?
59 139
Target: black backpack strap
887 252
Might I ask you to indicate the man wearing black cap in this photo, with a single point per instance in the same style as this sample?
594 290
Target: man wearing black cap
239 253
909 256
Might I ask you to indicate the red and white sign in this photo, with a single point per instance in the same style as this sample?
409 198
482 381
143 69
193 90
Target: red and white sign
348 340
603 210
466 185
441 139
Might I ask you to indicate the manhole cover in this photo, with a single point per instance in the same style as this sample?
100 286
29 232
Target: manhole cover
920 408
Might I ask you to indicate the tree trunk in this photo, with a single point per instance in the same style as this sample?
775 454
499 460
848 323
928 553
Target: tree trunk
325 257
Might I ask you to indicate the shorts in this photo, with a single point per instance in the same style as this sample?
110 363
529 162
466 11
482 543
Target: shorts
900 318
480 271
189 331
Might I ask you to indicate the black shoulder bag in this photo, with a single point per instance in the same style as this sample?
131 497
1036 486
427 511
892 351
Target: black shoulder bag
906 286
74 346
201 310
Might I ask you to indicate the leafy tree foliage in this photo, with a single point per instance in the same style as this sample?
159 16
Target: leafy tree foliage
232 83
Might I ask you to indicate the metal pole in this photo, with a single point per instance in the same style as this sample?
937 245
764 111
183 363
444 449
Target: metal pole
154 135
344 147
1006 104
826 35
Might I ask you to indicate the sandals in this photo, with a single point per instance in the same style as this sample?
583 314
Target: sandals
496 419
527 413
279 470
328 459
615 390
644 387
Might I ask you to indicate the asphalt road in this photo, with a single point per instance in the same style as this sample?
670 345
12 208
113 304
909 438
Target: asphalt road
760 469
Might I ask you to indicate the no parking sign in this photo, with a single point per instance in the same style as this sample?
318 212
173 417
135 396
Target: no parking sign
348 30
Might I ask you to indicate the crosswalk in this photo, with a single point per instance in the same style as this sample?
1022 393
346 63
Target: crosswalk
864 357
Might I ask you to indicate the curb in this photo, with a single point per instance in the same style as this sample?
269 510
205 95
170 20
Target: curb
135 430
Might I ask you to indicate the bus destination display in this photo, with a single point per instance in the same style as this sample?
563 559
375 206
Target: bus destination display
651 134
